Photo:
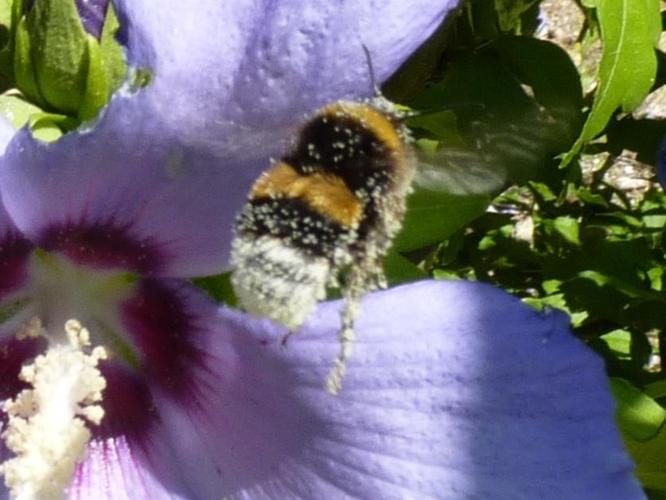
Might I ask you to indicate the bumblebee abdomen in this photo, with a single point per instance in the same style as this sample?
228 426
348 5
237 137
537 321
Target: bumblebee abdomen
277 280
295 223
360 145
314 213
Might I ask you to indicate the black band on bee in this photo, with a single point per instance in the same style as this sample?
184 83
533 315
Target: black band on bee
293 221
346 146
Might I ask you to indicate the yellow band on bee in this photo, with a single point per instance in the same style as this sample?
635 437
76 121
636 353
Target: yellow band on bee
323 192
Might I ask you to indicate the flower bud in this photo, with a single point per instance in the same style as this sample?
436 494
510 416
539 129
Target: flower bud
65 57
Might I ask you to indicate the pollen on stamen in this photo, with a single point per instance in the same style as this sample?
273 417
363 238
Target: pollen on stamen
45 429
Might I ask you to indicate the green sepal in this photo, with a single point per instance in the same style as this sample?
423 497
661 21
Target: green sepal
58 66
59 51
46 127
24 72
97 87
113 57
106 68
6 71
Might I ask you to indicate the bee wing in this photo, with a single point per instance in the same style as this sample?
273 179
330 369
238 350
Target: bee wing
493 155
459 172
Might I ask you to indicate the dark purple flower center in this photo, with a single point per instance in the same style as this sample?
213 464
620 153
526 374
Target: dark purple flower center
164 333
128 405
14 353
14 253
82 273
102 245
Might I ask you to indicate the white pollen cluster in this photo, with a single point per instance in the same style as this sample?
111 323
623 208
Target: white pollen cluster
274 280
45 429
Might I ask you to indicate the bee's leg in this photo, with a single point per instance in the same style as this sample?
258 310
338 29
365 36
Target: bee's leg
349 313
378 279
354 288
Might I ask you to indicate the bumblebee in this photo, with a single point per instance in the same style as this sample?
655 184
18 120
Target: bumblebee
325 215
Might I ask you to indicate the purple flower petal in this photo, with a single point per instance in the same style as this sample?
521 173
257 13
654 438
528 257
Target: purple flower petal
114 470
158 208
93 13
257 67
454 390
123 461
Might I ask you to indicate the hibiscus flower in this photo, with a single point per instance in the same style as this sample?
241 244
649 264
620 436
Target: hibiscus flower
455 389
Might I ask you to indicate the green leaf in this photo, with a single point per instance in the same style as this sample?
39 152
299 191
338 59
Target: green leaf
656 276
628 64
568 228
638 415
622 286
619 341
584 194
654 221
59 66
551 286
443 125
649 458
444 274
557 301
514 114
543 191
656 390
555 86
218 287
433 216
398 269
